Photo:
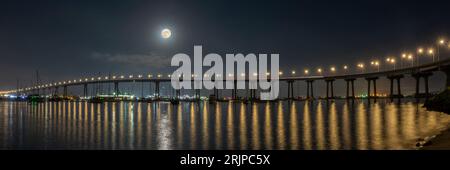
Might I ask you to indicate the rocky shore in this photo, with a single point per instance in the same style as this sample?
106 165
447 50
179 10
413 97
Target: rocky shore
440 103
438 142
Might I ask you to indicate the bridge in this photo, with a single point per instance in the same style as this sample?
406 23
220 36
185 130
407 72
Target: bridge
418 72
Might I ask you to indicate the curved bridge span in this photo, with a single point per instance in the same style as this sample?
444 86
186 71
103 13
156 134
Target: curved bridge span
423 71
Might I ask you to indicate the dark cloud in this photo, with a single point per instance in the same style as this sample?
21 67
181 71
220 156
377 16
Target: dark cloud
138 60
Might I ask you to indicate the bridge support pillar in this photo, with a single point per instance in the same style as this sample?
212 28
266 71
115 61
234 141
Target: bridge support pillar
85 90
252 94
56 92
157 90
234 91
290 89
391 79
177 94
369 81
399 89
446 70
350 81
309 89
330 88
65 92
425 76
427 90
216 93
417 78
116 88
197 94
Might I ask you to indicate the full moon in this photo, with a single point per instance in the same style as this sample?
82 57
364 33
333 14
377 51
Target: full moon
166 33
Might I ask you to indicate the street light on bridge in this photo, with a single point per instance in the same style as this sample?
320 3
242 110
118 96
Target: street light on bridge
404 56
293 72
333 69
431 52
376 64
391 60
419 52
319 70
306 71
255 75
345 69
440 43
361 66
411 57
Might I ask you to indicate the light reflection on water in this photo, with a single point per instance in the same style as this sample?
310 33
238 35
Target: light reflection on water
273 125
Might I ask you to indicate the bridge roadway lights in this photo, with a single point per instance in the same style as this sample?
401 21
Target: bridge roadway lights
417 77
350 81
309 89
330 87
374 80
290 89
399 92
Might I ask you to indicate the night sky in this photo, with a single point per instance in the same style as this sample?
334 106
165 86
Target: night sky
66 39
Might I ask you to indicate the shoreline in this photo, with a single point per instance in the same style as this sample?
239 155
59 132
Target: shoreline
441 141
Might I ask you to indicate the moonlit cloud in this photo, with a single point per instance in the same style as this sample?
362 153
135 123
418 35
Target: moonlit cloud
149 60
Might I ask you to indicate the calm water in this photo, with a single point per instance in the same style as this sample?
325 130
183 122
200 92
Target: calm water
277 125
